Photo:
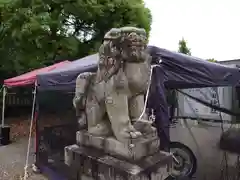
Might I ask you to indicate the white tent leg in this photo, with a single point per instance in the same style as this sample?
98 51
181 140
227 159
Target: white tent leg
30 133
3 105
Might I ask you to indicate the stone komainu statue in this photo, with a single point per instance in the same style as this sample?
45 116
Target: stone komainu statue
111 100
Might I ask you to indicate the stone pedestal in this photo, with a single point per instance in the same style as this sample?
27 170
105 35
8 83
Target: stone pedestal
105 158
132 151
95 164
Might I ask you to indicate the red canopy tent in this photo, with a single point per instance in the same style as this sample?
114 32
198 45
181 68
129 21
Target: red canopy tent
30 77
24 80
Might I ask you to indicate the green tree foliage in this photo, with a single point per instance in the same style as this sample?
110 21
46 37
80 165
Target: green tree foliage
182 47
34 33
212 60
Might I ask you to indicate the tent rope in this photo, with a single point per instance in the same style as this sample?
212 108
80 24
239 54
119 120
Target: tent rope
30 134
148 90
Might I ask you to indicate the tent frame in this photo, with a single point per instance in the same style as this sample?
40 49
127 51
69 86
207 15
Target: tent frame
29 80
4 94
4 89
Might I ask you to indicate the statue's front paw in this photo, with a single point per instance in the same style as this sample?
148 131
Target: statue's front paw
135 134
131 133
144 126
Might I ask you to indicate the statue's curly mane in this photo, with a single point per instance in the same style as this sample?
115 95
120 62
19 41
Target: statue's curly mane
120 46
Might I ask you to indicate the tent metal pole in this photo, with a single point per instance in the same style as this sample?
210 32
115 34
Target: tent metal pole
36 160
3 105
30 132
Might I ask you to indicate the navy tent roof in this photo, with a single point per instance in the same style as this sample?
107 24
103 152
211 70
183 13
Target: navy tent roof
180 71
184 71
64 79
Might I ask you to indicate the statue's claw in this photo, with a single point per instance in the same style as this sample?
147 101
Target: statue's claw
135 134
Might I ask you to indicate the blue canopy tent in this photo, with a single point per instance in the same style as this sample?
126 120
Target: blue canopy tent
175 71
179 71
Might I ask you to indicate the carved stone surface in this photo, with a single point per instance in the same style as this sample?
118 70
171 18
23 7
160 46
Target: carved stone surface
98 165
68 155
132 151
118 141
110 100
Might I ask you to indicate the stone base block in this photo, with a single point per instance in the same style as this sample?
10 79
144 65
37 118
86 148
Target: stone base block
69 155
132 151
95 164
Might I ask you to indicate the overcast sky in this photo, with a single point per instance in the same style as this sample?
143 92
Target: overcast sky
211 27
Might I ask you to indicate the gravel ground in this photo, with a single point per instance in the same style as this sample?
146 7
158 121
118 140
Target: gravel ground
12 161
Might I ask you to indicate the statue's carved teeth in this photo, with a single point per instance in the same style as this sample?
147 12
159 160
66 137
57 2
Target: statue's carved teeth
137 44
